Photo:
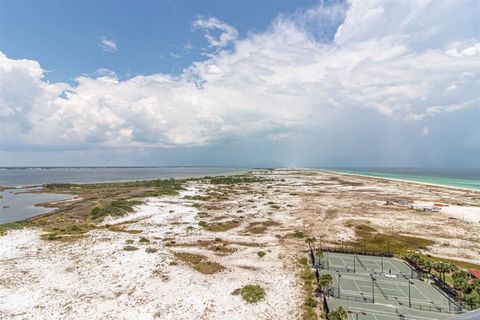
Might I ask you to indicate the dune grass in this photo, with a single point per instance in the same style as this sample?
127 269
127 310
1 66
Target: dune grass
372 240
199 262
260 227
219 226
307 278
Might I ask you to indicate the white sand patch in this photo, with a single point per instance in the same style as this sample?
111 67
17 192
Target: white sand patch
471 214
95 278
19 243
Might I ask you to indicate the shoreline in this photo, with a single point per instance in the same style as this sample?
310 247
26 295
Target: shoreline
205 238
240 171
399 180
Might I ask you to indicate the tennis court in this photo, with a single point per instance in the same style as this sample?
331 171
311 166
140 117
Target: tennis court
398 292
362 311
390 267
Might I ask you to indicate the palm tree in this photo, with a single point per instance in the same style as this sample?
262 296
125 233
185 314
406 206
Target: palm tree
441 268
311 243
319 254
428 265
451 268
460 284
325 282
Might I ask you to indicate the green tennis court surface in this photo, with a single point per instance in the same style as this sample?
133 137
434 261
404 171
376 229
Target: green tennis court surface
375 288
384 312
360 287
367 264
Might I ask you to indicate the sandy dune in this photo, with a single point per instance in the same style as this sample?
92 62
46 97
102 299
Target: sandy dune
95 277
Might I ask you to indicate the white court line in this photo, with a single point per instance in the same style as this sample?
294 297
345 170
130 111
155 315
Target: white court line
367 295
341 287
345 265
393 296
374 311
377 280
426 298
379 264
404 295
421 292
398 285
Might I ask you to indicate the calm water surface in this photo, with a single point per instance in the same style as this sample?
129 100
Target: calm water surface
38 176
17 205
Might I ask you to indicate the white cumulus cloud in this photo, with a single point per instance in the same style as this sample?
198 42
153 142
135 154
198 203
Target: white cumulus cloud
227 32
271 84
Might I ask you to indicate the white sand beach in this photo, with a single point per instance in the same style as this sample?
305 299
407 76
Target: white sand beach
96 278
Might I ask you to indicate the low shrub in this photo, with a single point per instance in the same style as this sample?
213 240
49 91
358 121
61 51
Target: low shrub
250 293
151 250
143 240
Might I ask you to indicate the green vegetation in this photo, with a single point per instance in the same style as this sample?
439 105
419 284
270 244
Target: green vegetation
71 220
169 187
114 208
130 248
118 228
325 282
218 246
12 226
307 277
60 186
311 243
459 264
369 239
250 293
155 187
199 262
468 289
143 240
261 254
151 250
298 234
219 226
338 314
53 236
234 179
202 214
261 226
199 198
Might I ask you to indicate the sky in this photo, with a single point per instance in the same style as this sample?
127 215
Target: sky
240 83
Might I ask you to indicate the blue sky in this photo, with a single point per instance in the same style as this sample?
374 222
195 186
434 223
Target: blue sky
151 36
241 83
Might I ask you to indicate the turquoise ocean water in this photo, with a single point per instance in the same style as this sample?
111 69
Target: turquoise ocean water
468 178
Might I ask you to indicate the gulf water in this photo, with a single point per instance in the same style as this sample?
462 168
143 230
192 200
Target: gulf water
467 178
